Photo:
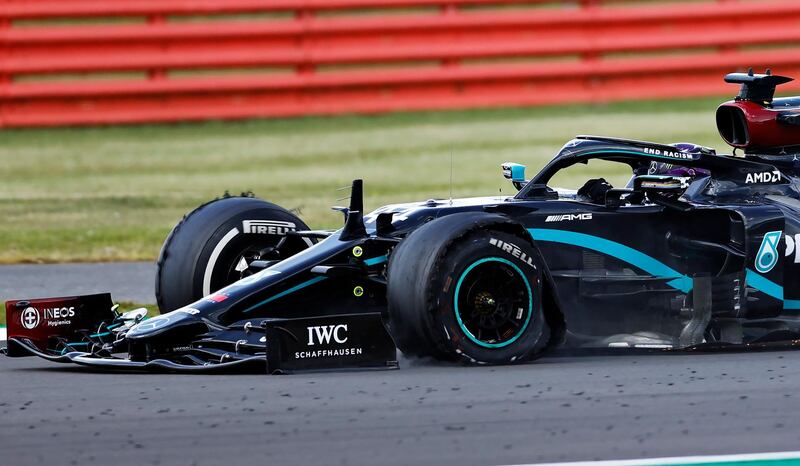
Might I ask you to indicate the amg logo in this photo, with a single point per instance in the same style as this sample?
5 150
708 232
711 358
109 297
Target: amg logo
559 218
268 227
512 249
324 333
763 177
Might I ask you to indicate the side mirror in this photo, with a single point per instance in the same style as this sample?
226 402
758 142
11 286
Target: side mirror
135 315
514 172
664 190
660 189
613 198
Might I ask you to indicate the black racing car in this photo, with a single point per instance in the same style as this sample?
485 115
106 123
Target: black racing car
697 250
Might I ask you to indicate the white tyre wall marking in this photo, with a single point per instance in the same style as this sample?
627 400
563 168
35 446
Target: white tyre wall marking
212 261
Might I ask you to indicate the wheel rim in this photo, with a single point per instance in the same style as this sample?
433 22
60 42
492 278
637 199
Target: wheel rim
249 254
493 302
225 270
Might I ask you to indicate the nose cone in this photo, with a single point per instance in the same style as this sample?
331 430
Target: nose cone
162 323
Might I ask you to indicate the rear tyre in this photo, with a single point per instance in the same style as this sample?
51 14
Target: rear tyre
458 291
202 252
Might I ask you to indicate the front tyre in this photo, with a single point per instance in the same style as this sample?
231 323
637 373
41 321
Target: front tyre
460 292
207 250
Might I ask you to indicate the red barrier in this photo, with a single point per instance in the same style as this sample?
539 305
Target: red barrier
448 54
23 9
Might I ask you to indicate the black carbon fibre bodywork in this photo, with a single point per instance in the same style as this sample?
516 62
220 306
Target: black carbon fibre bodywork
706 259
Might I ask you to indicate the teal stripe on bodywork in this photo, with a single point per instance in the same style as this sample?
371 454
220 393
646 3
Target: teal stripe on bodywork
286 292
770 288
651 265
624 253
791 303
376 260
763 284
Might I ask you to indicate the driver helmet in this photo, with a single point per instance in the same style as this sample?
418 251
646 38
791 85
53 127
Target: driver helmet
661 168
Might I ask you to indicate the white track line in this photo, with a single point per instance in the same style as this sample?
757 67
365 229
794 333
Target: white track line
681 460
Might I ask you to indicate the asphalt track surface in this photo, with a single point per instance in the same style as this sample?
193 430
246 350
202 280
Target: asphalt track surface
557 409
560 408
133 281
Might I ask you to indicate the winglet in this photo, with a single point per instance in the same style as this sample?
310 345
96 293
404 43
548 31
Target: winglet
354 225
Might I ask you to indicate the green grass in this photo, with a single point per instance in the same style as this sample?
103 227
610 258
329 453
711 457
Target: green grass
89 194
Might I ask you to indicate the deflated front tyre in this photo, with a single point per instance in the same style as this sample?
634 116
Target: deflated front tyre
213 244
459 290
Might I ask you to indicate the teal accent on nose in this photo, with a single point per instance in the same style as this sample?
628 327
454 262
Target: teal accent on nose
286 292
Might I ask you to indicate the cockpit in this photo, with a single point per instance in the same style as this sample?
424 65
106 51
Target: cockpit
588 170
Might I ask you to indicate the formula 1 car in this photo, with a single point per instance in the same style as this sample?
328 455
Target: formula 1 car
697 250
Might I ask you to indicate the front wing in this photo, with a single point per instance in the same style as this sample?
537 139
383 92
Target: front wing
86 330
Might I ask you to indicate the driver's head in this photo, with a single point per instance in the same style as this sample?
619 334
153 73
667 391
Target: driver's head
660 168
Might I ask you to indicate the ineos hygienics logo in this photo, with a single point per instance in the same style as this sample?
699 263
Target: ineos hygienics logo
30 318
324 333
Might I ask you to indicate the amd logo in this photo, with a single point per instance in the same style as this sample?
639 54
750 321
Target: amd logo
322 334
268 227
559 218
763 177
